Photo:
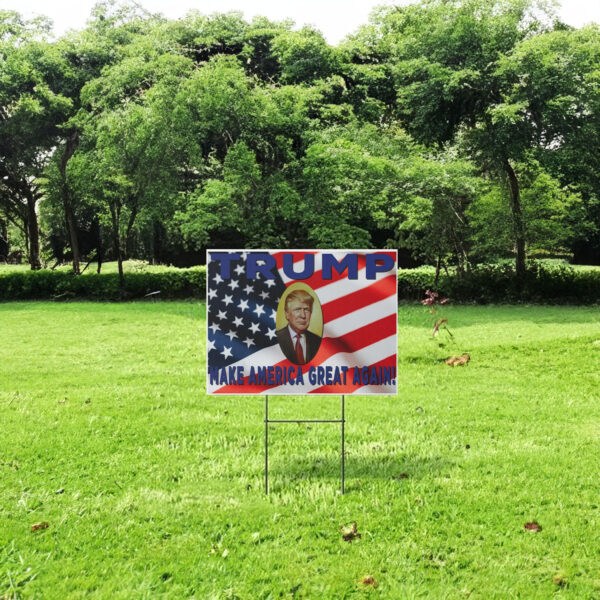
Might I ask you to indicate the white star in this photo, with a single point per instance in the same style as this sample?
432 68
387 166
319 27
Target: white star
228 300
244 255
211 345
238 322
239 269
212 294
271 333
259 310
222 314
243 304
248 289
217 278
264 295
232 334
248 342
233 284
274 314
270 282
226 352
214 328
254 327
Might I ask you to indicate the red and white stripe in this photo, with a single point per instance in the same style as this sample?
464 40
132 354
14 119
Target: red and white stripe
360 329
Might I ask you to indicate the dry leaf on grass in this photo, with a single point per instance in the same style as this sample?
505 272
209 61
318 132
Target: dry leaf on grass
458 361
533 526
40 525
350 533
369 580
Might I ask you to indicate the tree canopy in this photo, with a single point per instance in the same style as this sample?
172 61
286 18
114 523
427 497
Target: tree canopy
456 131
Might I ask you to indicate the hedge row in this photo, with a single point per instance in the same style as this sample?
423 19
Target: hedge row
492 283
498 283
63 285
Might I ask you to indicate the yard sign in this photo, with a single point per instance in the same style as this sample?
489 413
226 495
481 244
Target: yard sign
301 322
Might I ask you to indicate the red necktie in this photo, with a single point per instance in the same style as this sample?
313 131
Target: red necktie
298 349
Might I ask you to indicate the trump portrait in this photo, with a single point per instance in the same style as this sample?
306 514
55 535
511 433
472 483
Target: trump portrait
296 341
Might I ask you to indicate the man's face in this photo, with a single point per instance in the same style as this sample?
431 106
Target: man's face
298 315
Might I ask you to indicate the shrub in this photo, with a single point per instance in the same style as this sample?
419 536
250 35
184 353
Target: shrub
171 283
543 283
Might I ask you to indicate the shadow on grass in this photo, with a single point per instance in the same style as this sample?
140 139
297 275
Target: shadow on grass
393 467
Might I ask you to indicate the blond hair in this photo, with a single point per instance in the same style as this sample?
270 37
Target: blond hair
301 296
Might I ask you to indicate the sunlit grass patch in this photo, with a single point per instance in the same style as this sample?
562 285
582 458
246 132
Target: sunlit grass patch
153 489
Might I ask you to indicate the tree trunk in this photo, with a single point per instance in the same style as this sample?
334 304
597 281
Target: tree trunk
34 234
157 244
4 245
99 253
131 221
70 147
517 218
72 227
438 266
97 233
115 213
25 230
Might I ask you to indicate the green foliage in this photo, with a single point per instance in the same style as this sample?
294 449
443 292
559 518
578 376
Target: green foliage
543 283
304 56
554 216
62 285
146 137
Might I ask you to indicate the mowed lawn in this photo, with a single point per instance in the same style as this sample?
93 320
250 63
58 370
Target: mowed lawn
153 489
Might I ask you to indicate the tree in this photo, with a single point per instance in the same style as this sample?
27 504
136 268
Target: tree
129 142
30 115
445 60
551 108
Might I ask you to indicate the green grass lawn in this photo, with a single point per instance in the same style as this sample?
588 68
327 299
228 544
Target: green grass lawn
153 489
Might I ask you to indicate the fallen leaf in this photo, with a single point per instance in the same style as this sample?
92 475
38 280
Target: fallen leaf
369 580
458 361
40 525
350 533
533 526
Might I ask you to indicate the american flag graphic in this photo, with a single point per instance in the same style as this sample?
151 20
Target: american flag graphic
359 325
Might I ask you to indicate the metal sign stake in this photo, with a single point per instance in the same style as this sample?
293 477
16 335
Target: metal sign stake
342 421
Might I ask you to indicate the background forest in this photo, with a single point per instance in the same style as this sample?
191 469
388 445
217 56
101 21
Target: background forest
459 132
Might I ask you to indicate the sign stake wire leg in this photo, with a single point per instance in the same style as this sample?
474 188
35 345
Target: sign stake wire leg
266 444
343 443
342 421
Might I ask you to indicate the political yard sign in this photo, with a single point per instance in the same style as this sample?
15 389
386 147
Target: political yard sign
301 321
